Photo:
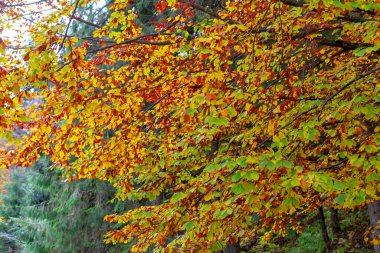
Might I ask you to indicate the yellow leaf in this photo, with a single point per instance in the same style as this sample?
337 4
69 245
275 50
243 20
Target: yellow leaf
208 196
271 127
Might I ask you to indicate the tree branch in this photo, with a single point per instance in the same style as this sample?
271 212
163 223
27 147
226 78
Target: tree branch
295 3
68 25
138 40
329 98
333 166
343 44
212 14
20 5
86 22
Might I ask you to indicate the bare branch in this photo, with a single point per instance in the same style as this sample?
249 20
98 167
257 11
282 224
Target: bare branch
295 3
20 5
86 22
68 25
343 44
212 14
333 166
139 40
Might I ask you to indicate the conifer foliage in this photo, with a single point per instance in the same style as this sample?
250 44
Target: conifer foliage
42 213
236 117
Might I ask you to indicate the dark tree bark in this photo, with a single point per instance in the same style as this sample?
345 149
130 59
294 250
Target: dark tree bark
334 223
374 217
233 248
159 200
325 235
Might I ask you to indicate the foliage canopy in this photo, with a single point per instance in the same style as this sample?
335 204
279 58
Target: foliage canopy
241 115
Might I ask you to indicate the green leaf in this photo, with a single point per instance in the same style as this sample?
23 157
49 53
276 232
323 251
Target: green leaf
230 163
231 111
216 246
287 164
361 51
291 202
190 111
337 3
199 99
373 177
356 161
252 175
293 182
371 148
177 197
148 214
242 161
271 166
212 167
225 213
8 135
205 51
236 177
215 121
340 199
189 225
238 189
360 198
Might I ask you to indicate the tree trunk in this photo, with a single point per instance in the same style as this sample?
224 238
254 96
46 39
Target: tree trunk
374 217
158 201
334 223
324 233
232 248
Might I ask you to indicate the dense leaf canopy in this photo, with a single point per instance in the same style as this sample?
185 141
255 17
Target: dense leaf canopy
241 116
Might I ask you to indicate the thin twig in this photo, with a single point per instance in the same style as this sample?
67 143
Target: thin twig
135 40
68 25
332 166
213 14
19 5
86 22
